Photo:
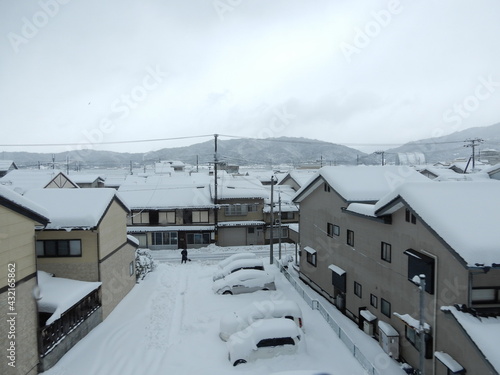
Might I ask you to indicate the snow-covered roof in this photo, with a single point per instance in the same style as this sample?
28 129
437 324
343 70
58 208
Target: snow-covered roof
449 362
244 223
74 208
464 214
23 180
362 183
484 332
85 178
9 197
240 187
170 228
167 192
5 165
59 294
361 208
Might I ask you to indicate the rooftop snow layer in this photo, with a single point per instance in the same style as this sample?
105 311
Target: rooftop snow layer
464 214
73 208
23 202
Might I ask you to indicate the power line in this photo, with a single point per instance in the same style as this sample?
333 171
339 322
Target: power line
103 143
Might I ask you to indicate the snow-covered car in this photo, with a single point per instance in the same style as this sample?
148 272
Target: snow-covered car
241 264
266 309
237 256
244 281
266 338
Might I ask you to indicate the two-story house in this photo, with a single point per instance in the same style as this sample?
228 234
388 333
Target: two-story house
170 211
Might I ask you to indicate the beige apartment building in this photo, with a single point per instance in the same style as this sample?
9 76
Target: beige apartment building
366 232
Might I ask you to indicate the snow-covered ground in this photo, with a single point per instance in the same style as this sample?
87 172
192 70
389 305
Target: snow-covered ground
169 324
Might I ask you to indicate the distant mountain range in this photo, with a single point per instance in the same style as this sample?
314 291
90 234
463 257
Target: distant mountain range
271 151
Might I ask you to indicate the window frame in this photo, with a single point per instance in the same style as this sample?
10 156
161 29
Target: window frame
374 300
42 252
386 251
350 237
358 289
384 303
312 259
199 216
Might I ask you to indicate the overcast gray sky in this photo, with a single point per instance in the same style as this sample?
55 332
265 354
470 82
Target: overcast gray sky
364 73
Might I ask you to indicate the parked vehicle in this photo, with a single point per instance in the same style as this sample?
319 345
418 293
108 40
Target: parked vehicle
266 338
244 281
239 320
241 264
237 256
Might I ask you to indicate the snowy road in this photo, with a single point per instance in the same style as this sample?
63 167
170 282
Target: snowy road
169 324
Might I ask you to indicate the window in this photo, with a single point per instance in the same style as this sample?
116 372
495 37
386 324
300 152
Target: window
251 230
326 187
385 307
332 229
166 217
373 300
131 268
311 258
253 207
198 238
287 215
164 238
414 338
275 342
386 252
410 217
200 217
485 295
350 237
59 248
236 210
140 217
419 264
358 289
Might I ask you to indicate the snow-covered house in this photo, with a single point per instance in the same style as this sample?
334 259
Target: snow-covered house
6 166
18 218
297 178
366 233
23 180
241 201
87 240
170 211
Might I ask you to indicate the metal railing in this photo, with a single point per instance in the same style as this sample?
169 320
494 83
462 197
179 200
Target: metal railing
317 305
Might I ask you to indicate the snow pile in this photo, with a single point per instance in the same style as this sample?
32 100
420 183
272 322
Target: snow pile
58 294
144 263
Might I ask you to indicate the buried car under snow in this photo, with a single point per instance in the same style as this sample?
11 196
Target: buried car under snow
237 256
265 338
241 264
265 309
244 281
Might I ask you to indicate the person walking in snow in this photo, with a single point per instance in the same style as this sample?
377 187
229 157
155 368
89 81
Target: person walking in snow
184 254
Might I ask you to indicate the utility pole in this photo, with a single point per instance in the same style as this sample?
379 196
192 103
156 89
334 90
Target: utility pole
279 225
216 210
271 234
473 143
381 153
421 327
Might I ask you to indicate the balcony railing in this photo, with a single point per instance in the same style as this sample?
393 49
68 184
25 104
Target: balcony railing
52 334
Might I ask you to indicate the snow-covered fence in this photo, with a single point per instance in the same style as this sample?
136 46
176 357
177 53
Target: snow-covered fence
52 334
316 305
